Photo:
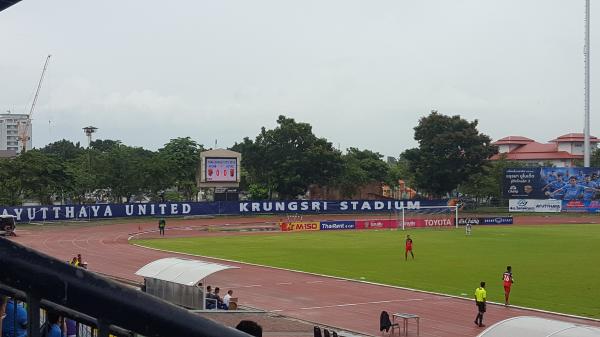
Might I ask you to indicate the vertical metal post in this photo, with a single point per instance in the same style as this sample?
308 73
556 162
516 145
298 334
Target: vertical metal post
33 316
456 216
402 215
103 329
586 51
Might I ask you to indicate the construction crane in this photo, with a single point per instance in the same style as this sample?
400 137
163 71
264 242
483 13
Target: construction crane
25 125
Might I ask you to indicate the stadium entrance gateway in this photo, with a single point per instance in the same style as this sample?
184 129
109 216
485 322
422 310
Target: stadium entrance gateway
179 281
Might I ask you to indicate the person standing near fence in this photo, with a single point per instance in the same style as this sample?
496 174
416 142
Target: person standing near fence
15 322
3 300
161 226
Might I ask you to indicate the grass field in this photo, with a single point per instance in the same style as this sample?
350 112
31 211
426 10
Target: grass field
555 267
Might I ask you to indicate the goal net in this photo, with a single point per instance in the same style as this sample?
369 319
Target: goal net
428 216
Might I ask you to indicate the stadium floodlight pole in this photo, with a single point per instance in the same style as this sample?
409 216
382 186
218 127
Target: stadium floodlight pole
586 51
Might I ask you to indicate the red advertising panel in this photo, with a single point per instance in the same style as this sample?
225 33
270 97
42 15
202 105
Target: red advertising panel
300 226
436 222
376 224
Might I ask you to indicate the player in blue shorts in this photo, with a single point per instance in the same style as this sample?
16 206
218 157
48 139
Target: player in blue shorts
571 191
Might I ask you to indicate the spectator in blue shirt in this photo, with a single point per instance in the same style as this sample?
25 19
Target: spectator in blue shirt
15 322
3 300
53 326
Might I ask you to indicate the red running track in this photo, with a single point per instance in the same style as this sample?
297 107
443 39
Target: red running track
344 304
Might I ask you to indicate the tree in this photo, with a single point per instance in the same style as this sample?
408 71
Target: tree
289 158
182 155
11 186
361 167
64 149
450 151
595 158
488 183
42 176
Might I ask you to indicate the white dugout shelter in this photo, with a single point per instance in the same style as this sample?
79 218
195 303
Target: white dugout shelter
538 327
179 281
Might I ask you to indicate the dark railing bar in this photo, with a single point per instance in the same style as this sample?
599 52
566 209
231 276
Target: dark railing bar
63 311
96 296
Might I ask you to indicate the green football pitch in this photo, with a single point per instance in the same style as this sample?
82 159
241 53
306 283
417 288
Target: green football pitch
555 267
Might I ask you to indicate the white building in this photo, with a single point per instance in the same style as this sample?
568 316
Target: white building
9 132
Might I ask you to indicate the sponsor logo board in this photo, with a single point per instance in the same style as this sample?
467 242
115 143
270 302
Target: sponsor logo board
535 205
337 225
300 226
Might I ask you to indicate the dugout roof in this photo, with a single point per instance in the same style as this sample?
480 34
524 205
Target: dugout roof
539 327
4 4
181 271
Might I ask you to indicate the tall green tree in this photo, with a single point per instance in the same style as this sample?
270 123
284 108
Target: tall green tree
64 149
595 158
450 151
289 158
43 176
361 167
11 182
182 155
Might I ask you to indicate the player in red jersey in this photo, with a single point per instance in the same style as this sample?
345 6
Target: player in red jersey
408 248
508 281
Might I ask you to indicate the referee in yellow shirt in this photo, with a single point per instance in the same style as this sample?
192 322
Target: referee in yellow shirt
480 297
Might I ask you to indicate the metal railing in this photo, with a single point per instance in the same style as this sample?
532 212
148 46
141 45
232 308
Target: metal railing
44 282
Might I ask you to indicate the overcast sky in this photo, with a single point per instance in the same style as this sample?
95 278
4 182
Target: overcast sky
360 72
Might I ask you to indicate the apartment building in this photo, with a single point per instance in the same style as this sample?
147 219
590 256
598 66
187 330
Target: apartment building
9 132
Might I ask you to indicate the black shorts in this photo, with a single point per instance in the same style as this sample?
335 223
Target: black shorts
481 306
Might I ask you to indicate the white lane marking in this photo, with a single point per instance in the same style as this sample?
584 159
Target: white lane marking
251 286
361 303
283 283
312 282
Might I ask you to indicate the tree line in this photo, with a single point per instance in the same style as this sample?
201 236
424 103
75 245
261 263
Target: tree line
278 163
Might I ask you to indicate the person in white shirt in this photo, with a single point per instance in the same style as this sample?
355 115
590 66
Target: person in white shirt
227 297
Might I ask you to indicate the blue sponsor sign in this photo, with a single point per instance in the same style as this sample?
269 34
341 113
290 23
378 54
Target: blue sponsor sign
103 211
499 220
337 225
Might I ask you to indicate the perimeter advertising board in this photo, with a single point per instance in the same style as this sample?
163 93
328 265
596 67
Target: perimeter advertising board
300 226
103 211
535 205
576 187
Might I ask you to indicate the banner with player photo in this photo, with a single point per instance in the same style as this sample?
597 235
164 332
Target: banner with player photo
577 188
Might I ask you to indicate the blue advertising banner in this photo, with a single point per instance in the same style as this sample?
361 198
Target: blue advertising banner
577 187
551 183
103 211
499 220
337 225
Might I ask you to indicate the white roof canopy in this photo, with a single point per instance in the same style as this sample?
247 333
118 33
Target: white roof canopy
539 327
181 271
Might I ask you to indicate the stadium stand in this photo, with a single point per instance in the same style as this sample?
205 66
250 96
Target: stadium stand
43 282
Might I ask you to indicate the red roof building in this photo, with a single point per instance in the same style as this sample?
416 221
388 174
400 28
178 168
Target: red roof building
561 152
